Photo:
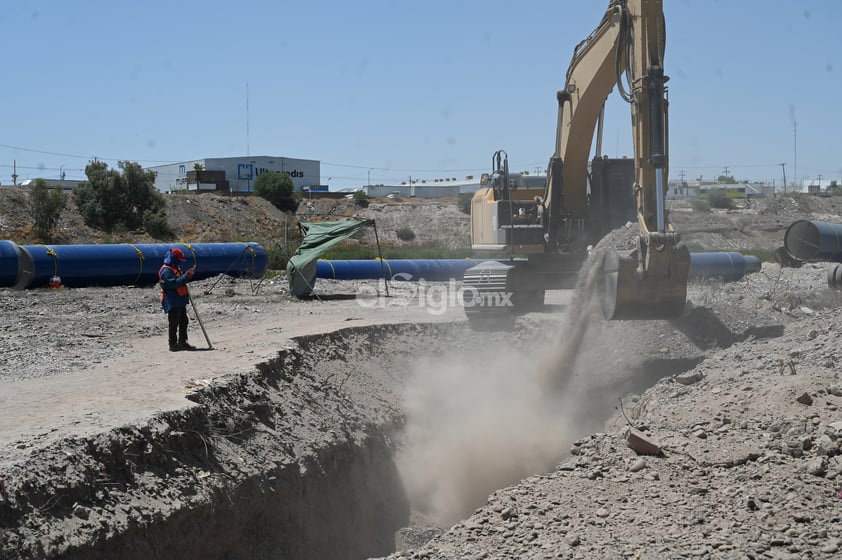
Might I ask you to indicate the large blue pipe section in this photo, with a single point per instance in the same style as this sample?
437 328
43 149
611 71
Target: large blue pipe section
431 270
727 266
32 266
808 240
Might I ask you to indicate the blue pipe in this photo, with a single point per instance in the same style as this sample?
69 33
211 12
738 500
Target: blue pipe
10 263
726 266
808 240
32 266
432 270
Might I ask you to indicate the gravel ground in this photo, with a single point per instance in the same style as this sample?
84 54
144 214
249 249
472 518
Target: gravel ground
741 397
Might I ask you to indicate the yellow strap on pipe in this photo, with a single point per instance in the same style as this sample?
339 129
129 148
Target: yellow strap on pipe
140 267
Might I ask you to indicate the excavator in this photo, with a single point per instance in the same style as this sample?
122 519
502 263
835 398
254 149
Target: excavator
544 234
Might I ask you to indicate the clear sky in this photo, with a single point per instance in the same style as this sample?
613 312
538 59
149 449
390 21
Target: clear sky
390 89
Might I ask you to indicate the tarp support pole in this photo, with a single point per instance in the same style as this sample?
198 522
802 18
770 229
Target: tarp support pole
380 254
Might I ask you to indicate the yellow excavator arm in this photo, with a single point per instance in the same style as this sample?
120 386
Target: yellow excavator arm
584 199
625 51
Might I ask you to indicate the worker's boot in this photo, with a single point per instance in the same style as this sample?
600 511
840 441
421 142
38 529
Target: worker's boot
175 347
184 345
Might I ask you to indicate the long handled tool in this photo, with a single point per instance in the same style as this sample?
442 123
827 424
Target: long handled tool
196 313
193 305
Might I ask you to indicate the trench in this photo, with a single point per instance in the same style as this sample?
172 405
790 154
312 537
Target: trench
297 459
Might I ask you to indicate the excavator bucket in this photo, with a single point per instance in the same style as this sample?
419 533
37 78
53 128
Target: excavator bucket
627 294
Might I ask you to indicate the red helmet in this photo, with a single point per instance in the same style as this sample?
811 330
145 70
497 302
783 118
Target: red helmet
178 254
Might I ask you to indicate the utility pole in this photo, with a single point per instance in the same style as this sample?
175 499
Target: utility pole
783 167
820 182
15 173
795 151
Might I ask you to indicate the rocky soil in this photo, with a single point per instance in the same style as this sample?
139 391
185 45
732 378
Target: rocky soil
336 427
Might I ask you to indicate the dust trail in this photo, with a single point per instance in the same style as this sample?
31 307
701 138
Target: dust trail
478 423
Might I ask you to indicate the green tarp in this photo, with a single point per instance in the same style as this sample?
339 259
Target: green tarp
318 238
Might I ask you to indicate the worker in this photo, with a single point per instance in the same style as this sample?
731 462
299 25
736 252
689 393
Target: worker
175 297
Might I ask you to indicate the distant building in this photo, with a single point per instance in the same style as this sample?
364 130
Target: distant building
65 184
818 186
234 174
678 190
449 187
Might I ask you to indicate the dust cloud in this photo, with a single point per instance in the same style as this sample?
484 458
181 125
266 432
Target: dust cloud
479 422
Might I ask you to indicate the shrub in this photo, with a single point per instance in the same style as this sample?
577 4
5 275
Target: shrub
276 187
406 234
277 259
700 205
156 224
45 205
361 199
115 200
719 199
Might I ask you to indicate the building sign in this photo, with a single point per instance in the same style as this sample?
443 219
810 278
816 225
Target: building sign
245 171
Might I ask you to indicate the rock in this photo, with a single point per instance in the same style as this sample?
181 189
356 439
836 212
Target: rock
642 444
638 465
689 378
572 539
831 546
816 466
827 447
81 512
805 398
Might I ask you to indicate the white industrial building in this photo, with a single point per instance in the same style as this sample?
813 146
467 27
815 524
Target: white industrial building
233 174
442 188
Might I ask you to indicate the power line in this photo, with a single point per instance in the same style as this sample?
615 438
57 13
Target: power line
465 170
22 149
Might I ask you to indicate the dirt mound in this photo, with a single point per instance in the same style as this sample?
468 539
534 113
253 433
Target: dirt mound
211 218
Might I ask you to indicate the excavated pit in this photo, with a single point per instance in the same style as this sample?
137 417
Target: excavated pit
316 453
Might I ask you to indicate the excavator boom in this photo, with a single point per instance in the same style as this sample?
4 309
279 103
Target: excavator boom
625 51
581 196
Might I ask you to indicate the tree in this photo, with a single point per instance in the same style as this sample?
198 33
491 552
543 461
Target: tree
276 187
45 205
111 199
198 168
361 199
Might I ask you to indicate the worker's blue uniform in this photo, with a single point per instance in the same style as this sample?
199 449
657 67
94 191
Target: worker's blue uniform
174 300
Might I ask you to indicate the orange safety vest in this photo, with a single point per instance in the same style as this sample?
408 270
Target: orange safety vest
180 290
